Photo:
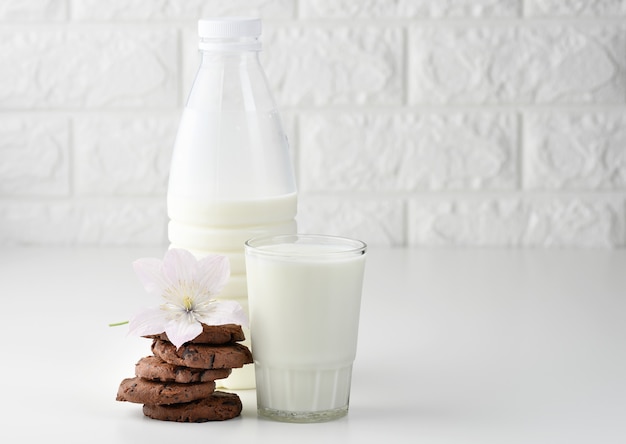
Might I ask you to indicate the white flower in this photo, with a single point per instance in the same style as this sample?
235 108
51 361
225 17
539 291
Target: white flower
188 287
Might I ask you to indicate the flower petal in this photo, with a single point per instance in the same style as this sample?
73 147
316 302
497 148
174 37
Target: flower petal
148 322
178 265
225 312
182 330
212 272
150 273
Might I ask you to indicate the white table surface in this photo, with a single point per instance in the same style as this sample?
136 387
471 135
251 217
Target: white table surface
455 346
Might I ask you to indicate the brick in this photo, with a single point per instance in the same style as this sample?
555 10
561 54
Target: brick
179 9
579 8
75 222
34 156
377 222
517 64
49 10
575 150
334 66
405 152
103 67
123 155
408 8
518 221
594 221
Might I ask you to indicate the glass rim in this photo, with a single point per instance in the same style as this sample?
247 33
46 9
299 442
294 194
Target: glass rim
345 246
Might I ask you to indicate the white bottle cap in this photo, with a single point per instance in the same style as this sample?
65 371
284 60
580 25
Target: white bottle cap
230 28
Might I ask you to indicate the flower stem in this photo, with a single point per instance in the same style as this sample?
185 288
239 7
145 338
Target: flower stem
117 324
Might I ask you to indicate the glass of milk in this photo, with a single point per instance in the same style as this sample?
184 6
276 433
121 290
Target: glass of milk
304 295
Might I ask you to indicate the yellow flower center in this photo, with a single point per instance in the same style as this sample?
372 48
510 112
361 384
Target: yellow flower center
188 303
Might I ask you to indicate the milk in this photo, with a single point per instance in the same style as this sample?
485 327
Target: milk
304 323
226 160
222 227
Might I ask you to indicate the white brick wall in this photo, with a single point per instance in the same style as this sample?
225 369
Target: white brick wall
413 122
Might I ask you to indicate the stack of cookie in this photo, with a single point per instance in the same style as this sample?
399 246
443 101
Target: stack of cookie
179 384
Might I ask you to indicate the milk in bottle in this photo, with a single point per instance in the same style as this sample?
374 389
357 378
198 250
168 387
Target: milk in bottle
231 176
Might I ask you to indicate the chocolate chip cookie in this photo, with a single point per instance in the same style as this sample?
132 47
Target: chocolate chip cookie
156 369
143 391
219 406
202 355
212 334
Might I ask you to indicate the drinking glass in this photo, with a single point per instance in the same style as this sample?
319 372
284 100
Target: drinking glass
304 294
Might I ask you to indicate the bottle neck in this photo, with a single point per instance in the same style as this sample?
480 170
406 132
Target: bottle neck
230 80
243 44
229 59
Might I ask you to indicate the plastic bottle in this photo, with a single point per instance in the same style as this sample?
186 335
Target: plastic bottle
231 176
